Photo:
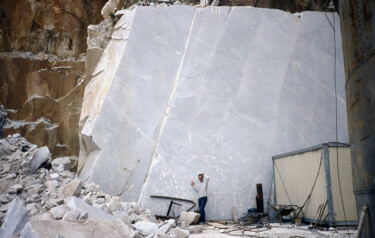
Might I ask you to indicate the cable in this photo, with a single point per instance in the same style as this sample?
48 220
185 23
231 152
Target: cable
336 120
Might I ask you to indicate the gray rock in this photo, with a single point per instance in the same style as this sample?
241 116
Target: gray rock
11 176
180 233
5 207
54 176
145 215
72 215
61 164
100 201
77 229
126 219
15 189
194 229
93 212
15 219
59 212
39 157
72 189
4 199
166 227
188 218
146 228
115 204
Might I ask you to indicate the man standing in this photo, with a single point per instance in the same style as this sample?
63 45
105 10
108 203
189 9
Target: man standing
201 189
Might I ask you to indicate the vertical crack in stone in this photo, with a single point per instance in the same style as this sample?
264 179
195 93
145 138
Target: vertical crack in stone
170 102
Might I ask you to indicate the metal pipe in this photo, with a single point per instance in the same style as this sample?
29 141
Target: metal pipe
357 18
362 221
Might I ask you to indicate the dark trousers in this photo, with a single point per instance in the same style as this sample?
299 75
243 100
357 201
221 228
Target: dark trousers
202 203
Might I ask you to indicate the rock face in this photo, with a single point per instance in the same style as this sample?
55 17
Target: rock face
54 27
218 90
43 97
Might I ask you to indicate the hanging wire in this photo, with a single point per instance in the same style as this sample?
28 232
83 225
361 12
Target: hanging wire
336 115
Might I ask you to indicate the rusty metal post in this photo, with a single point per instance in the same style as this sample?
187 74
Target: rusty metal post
357 20
259 198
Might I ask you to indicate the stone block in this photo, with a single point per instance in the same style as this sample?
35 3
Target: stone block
72 189
15 219
188 218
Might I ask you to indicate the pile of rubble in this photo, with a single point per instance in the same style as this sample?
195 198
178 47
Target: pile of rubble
41 197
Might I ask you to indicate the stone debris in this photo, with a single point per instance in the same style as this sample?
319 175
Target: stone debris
93 212
61 164
188 218
46 195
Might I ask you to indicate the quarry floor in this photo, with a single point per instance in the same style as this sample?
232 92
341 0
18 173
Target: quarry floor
276 230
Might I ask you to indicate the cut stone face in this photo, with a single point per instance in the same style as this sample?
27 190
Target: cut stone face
218 90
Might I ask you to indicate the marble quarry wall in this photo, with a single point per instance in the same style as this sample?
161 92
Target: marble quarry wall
217 90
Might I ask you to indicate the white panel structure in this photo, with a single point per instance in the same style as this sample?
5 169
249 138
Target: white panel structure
217 90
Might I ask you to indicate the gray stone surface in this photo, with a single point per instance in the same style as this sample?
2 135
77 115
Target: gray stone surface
39 157
93 212
218 90
15 218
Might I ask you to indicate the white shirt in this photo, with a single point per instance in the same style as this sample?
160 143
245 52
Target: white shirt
201 187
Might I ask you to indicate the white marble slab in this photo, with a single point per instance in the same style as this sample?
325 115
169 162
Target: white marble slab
216 90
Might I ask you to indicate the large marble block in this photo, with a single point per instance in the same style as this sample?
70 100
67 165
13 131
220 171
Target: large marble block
217 90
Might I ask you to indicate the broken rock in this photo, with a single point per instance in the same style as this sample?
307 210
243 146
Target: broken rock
72 215
15 189
93 212
15 219
61 164
73 188
188 218
180 233
40 156
146 228
59 212
166 227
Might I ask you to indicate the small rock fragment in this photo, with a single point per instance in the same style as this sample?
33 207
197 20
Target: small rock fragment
15 189
146 228
72 189
188 218
59 212
180 233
